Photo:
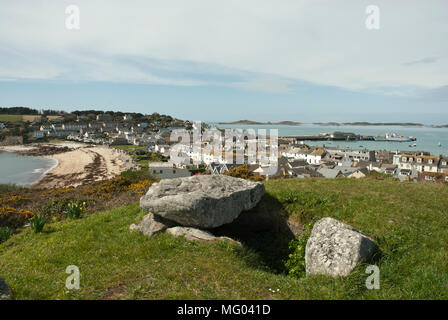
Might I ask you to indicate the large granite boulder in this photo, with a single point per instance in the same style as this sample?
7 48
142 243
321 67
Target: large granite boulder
5 291
335 248
203 201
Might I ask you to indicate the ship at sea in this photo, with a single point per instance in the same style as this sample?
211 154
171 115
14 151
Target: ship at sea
393 137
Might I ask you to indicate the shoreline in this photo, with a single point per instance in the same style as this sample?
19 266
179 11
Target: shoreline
74 163
31 183
54 166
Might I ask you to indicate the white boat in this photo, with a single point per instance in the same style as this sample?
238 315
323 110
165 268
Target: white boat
439 144
393 137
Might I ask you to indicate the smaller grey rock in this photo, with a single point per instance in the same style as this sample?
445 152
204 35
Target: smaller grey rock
151 224
191 233
335 248
5 291
194 234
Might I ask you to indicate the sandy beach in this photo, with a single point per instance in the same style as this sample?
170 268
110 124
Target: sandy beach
77 163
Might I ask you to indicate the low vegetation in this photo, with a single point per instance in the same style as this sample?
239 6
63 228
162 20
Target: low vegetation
74 210
8 187
19 205
5 234
408 221
295 262
37 223
244 173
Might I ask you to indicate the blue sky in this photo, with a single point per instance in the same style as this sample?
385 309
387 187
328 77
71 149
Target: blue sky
303 60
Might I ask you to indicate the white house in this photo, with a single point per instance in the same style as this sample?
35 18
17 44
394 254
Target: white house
38 134
74 127
167 170
295 153
161 148
204 156
45 128
354 155
316 156
60 134
418 163
127 117
57 127
129 136
443 165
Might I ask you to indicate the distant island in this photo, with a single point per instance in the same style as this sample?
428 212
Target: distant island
441 126
249 122
334 124
406 124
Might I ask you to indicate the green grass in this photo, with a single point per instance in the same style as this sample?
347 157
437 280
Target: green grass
130 147
408 220
10 117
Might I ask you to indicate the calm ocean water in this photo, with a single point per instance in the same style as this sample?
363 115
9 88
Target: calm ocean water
427 138
22 170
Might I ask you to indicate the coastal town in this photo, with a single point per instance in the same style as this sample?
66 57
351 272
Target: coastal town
232 159
147 139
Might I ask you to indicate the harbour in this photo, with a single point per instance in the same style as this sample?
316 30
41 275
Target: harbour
433 140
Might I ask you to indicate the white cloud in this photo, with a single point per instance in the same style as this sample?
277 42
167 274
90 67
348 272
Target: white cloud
265 84
323 42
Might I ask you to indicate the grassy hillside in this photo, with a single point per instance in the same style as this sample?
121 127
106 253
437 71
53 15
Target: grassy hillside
10 117
408 220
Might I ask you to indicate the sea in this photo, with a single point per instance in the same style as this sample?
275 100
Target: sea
23 170
428 138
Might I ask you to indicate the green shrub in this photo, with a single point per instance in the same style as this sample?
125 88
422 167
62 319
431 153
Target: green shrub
244 173
56 207
295 264
133 176
141 152
74 210
37 223
5 234
157 157
14 218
